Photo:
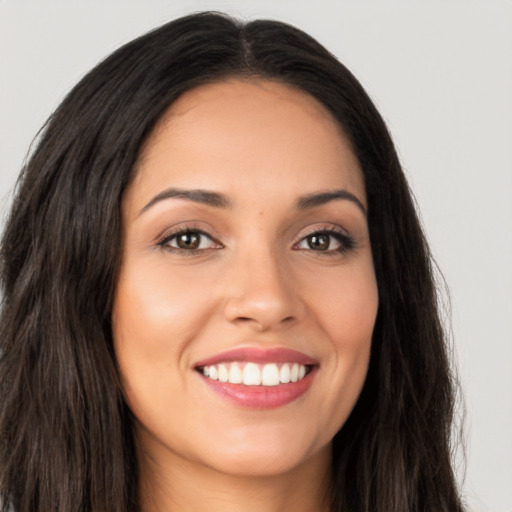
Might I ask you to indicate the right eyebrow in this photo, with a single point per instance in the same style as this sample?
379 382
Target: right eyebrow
197 195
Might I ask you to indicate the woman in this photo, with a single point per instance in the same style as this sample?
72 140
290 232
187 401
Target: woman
217 291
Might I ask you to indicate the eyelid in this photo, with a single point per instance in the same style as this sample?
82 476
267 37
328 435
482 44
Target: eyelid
323 227
342 235
163 240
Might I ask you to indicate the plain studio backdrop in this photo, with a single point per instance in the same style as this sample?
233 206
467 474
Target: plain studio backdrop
440 73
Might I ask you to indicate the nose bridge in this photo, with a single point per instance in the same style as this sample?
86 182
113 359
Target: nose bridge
261 290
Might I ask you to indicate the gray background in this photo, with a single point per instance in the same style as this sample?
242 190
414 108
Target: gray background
440 73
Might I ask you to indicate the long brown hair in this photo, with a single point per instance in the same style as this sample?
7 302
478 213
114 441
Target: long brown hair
66 440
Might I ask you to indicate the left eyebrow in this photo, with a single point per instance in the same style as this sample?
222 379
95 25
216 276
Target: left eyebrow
319 198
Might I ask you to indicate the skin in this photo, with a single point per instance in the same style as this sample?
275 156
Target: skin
257 282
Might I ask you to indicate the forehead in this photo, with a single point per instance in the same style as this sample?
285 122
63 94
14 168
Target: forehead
263 134
213 98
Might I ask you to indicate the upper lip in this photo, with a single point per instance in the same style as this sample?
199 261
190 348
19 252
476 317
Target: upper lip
259 355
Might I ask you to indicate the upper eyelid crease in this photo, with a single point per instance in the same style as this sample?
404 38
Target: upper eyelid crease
325 228
328 228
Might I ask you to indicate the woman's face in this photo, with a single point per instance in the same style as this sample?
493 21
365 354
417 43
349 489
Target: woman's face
247 297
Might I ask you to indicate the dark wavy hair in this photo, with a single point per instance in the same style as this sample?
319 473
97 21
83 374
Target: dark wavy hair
66 438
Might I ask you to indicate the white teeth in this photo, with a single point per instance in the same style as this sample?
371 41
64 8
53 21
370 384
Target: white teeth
235 374
294 374
270 375
223 373
284 374
252 374
214 374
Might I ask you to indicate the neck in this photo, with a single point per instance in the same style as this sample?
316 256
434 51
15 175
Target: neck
184 486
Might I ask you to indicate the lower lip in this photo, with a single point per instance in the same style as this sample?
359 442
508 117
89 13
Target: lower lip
261 397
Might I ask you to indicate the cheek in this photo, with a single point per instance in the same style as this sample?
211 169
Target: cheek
345 304
345 307
350 321
155 316
154 312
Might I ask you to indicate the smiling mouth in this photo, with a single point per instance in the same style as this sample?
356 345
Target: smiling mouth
259 378
254 374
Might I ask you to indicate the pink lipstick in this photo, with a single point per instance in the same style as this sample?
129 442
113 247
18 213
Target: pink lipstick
259 378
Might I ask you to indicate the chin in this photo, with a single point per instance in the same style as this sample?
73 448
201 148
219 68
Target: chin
262 464
261 453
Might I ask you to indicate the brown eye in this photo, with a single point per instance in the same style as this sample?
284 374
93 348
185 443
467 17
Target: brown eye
188 240
328 241
319 242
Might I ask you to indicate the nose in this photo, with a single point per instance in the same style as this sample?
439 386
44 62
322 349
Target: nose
262 294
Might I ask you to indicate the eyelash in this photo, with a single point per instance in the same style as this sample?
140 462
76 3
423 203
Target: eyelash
165 241
346 242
